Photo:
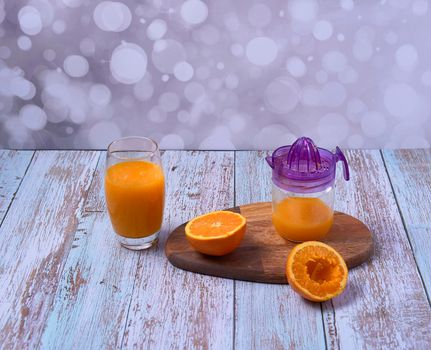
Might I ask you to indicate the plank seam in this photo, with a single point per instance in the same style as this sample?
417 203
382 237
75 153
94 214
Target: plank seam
234 281
323 324
130 300
90 187
16 191
405 226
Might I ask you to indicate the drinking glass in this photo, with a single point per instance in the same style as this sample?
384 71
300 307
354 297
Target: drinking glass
135 191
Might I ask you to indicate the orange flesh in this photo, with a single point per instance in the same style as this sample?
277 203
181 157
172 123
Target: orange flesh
215 224
135 198
318 271
302 219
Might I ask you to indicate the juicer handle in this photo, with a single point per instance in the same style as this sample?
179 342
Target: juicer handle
340 156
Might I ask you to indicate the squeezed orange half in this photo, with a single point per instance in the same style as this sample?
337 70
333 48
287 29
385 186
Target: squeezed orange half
302 219
135 198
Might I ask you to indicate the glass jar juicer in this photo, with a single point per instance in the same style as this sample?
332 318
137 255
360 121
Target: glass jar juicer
303 177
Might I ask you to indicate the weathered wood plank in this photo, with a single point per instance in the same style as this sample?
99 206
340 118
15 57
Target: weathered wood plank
94 293
384 305
96 195
35 238
410 174
269 316
13 165
171 308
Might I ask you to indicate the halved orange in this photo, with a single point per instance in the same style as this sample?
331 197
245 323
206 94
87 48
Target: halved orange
316 271
217 233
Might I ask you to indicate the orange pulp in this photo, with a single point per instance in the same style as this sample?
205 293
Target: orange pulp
302 219
135 198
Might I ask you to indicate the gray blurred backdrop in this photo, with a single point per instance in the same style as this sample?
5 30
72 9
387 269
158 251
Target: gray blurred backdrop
218 74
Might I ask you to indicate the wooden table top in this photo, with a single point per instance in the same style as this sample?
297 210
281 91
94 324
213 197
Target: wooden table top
66 283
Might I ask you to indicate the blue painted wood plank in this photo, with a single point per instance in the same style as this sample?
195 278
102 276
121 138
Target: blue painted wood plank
144 302
269 316
172 308
384 305
410 175
35 238
13 165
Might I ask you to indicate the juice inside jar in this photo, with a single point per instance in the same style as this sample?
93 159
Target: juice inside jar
135 198
302 219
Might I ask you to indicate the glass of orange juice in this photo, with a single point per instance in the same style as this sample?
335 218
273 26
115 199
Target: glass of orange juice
135 191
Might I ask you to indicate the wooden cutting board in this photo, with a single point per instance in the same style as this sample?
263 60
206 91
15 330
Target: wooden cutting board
262 255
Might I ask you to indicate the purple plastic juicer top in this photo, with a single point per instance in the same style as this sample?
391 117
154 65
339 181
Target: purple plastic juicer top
305 168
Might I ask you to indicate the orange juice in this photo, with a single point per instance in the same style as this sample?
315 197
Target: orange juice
302 219
135 198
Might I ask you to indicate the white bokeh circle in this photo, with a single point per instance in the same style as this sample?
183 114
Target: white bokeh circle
128 63
322 30
33 117
183 71
172 141
112 16
30 20
194 92
261 51
296 66
157 115
143 90
406 57
100 95
401 100
76 66
194 12
59 26
237 50
282 95
157 29
22 88
49 54
303 10
24 43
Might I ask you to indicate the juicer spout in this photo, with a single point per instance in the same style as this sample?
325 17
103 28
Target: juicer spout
270 161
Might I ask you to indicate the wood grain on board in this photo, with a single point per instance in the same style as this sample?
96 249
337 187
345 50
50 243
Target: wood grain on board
384 305
36 235
13 165
410 174
269 316
262 254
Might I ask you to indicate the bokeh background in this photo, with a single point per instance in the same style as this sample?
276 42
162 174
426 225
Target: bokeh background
218 74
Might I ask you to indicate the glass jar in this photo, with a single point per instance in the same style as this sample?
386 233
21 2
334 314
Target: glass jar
303 192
